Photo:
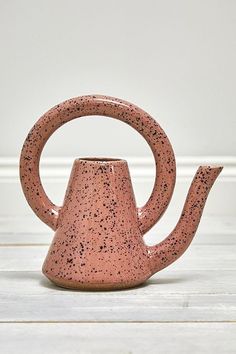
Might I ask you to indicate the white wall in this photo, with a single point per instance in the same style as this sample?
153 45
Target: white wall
175 59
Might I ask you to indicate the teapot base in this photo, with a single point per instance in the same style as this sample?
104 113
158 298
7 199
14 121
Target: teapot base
83 286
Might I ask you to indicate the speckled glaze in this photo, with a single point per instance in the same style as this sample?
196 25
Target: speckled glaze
98 241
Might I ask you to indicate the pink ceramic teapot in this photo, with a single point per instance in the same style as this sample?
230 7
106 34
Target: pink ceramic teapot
98 242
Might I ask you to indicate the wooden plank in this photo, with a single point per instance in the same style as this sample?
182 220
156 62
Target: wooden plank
28 296
114 338
22 224
199 239
29 230
165 282
30 239
209 224
196 257
164 308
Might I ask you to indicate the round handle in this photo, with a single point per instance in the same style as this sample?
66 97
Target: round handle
116 108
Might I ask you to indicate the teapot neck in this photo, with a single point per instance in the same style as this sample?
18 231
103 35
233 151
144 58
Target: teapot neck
100 168
102 184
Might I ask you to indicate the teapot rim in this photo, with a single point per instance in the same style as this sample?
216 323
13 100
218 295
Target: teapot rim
101 160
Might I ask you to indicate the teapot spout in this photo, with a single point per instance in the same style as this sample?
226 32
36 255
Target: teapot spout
173 246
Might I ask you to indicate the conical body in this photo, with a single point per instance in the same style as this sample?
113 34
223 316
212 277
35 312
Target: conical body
98 243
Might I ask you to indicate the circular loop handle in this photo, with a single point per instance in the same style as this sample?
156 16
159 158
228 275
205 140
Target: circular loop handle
116 108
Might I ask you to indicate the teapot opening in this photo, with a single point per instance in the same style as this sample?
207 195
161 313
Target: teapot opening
100 159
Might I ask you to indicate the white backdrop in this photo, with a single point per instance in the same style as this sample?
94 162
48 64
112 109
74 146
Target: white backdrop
174 59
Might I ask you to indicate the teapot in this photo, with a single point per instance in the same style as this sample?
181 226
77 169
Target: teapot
98 242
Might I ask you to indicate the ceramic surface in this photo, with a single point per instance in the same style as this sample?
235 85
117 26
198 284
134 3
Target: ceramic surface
98 241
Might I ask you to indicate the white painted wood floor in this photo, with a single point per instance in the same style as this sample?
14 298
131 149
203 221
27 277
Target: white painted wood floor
189 307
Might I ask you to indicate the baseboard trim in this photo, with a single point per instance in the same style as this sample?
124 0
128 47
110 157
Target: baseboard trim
55 173
57 168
